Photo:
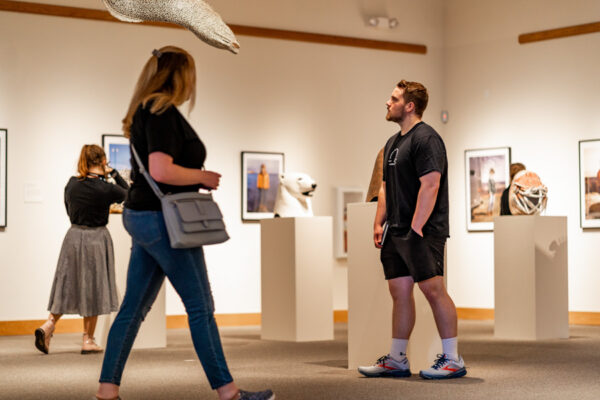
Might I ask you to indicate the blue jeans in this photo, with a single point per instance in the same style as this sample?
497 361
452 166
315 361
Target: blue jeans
151 259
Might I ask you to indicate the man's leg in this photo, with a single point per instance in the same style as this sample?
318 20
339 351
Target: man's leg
449 364
395 364
403 311
442 306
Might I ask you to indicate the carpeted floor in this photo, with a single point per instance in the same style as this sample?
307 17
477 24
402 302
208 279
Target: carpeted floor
552 369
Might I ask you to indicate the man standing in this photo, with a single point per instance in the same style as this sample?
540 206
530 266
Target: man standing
413 201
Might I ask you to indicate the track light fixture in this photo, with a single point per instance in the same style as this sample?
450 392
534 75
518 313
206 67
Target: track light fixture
383 22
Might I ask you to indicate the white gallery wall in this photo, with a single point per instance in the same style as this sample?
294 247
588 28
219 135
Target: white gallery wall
540 99
65 82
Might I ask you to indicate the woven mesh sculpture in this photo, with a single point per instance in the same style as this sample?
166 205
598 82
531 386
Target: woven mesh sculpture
527 195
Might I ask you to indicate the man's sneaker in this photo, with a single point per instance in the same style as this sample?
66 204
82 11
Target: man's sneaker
264 395
445 368
386 366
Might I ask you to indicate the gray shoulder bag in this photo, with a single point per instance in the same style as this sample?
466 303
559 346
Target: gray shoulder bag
193 219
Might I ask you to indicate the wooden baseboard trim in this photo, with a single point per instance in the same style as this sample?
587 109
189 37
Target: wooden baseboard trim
181 321
75 325
584 318
479 314
340 316
575 317
17 328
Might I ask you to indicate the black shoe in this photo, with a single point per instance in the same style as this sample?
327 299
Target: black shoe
40 340
264 395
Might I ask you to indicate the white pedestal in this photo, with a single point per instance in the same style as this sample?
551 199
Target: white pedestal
530 277
370 302
297 279
153 332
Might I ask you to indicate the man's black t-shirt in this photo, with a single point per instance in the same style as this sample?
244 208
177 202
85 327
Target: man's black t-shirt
167 133
407 158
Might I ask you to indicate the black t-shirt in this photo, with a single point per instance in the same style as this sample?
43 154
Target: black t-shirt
407 158
504 205
167 133
88 201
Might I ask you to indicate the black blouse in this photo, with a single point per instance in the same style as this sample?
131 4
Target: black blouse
169 133
88 201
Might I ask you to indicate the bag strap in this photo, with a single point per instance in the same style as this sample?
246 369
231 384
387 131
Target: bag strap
151 182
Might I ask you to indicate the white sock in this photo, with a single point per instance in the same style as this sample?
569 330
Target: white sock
450 347
398 350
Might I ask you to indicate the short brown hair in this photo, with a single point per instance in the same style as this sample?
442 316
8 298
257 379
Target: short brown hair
416 93
515 168
91 155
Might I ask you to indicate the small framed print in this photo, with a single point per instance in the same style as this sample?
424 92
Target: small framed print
487 174
118 155
3 175
260 181
589 183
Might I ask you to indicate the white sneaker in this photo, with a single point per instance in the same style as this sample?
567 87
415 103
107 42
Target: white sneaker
386 366
445 368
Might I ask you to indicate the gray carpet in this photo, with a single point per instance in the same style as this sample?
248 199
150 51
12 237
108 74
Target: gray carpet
551 369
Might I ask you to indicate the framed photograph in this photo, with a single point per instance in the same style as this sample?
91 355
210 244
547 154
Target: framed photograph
260 180
3 150
118 155
589 183
344 196
487 174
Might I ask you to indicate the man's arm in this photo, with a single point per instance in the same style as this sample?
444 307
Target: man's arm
430 184
380 216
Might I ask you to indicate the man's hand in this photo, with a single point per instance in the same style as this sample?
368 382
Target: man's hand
377 235
419 231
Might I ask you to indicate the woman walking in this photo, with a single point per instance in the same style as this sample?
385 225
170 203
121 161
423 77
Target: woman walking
84 282
174 156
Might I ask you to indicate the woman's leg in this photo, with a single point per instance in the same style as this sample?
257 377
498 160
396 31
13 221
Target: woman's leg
144 279
89 341
44 333
89 326
186 270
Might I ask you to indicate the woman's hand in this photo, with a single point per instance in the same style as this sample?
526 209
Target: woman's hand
163 170
210 180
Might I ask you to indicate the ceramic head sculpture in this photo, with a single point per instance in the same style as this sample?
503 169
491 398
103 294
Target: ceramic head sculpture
527 195
195 15
293 195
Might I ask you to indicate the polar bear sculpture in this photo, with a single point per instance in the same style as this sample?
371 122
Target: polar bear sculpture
293 195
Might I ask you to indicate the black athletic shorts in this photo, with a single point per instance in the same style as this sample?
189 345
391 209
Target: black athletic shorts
412 255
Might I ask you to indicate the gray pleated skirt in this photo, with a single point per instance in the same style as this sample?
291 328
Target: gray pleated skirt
84 282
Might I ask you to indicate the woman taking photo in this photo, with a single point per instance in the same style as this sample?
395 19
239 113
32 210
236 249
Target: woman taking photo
84 282
173 155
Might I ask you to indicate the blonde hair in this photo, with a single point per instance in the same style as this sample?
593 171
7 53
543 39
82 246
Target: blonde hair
91 155
168 79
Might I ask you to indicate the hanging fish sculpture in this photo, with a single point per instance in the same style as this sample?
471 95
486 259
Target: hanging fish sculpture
195 15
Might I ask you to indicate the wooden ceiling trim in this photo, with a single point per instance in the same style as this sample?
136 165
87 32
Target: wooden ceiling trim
559 33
